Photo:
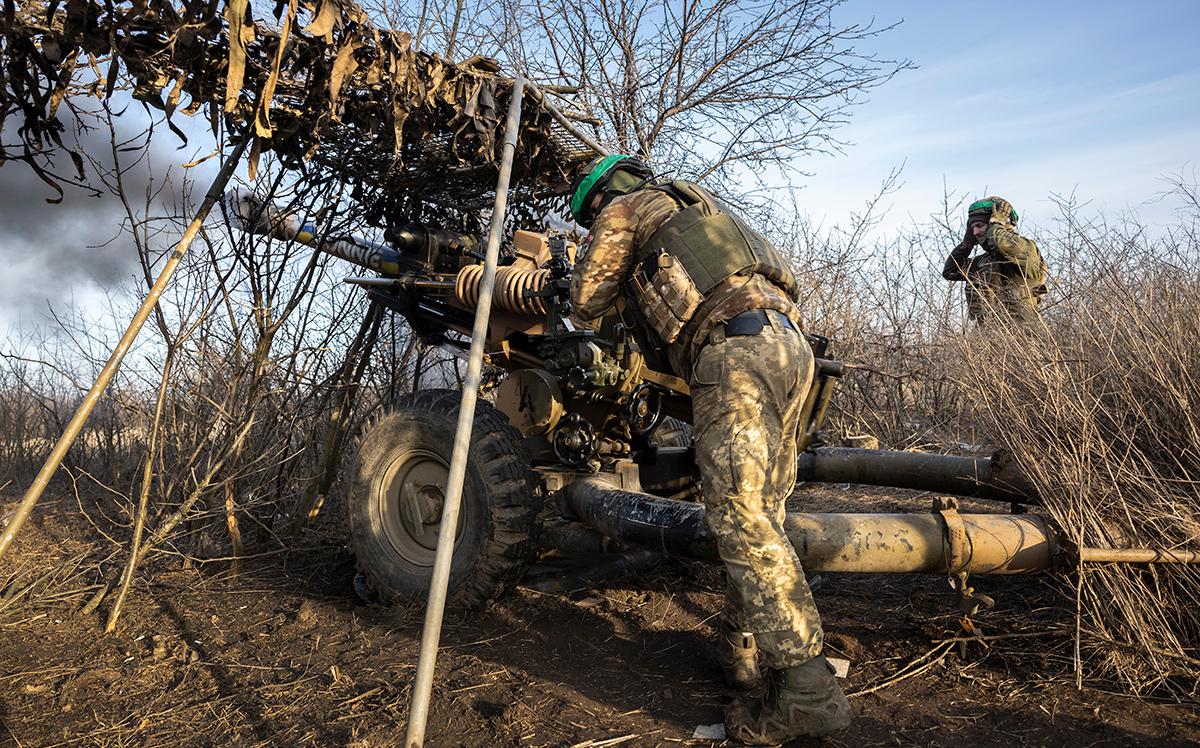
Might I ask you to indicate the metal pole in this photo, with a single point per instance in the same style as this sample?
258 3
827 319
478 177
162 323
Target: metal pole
1138 556
114 360
564 121
418 712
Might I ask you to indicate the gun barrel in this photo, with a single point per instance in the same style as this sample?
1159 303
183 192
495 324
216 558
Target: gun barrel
372 255
256 215
418 239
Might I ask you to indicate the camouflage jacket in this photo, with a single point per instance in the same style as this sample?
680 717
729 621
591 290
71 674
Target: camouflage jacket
1010 274
608 258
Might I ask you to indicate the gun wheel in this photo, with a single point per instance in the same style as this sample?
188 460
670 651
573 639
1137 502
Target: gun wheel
397 489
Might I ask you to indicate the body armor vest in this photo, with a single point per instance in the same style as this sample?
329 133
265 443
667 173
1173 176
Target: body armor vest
692 253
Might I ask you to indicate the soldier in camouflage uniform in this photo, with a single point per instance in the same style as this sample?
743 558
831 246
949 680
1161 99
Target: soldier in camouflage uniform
1009 277
721 300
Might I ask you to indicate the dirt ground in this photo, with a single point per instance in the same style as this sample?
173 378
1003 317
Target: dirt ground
284 654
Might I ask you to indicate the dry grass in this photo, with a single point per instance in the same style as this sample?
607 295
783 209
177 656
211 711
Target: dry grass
1097 407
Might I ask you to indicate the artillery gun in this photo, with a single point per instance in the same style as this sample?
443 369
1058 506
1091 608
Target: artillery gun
580 416
577 399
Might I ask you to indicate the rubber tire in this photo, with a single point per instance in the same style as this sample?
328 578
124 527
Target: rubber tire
500 500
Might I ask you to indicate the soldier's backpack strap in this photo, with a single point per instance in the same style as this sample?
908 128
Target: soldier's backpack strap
688 194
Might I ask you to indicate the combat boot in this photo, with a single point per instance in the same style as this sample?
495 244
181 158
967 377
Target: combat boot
800 701
737 655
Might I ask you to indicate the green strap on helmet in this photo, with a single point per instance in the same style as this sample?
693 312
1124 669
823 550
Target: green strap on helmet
597 173
987 205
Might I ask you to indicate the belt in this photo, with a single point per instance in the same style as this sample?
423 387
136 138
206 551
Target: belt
753 322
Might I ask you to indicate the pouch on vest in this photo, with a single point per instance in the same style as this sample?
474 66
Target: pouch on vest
666 294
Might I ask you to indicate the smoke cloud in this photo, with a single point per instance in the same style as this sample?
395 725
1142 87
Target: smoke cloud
56 254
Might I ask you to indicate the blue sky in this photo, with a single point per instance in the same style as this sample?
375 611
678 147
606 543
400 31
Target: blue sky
1023 100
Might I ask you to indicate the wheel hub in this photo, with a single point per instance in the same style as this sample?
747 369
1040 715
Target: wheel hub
415 489
421 505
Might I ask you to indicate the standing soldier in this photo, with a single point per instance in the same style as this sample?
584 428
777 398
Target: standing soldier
721 300
1009 276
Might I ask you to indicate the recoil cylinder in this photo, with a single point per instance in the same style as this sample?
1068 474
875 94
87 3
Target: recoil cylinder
511 286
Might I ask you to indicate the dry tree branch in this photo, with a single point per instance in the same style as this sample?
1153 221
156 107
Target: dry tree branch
143 497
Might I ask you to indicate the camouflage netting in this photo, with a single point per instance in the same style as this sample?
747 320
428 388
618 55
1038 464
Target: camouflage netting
410 136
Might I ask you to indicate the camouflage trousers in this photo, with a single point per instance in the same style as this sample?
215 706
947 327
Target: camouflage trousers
747 392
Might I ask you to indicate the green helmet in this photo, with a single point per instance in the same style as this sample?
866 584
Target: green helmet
983 208
604 174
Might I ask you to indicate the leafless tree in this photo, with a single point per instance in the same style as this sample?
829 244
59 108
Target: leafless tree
715 89
718 90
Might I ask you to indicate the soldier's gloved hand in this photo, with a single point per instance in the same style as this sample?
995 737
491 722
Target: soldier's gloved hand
1001 210
968 239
